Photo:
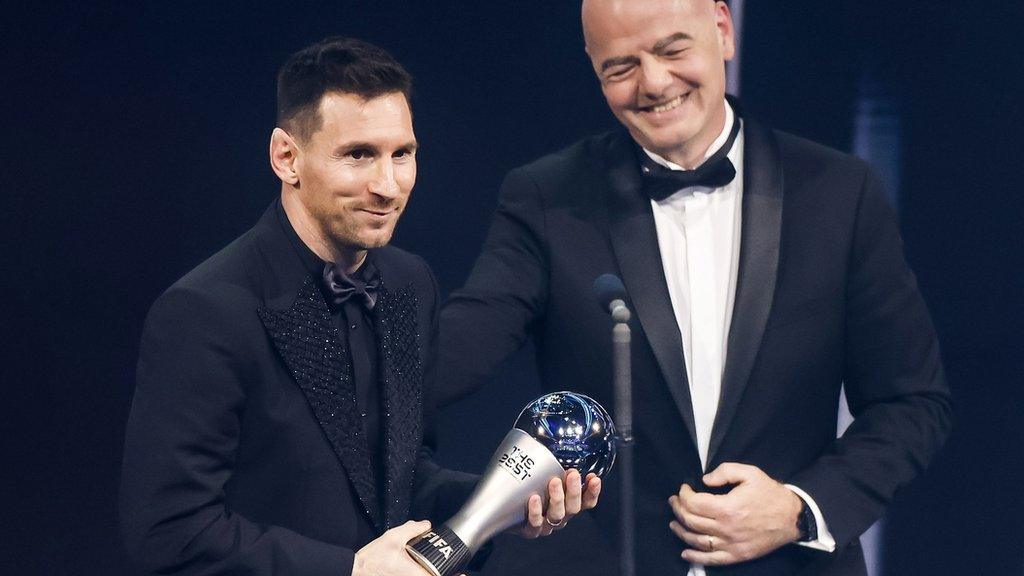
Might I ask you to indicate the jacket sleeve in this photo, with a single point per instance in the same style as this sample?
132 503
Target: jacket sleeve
893 375
490 318
180 452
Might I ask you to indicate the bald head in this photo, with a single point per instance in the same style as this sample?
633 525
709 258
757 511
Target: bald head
600 14
661 64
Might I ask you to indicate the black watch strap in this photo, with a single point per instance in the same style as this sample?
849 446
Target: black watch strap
806 524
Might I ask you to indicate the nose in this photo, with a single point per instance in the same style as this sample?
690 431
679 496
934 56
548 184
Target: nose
655 76
384 183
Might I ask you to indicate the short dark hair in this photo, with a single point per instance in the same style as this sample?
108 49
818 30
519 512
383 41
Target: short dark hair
335 64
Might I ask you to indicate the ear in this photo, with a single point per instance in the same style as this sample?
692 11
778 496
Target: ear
284 156
726 32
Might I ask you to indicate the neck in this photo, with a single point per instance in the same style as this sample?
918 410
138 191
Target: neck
693 153
350 259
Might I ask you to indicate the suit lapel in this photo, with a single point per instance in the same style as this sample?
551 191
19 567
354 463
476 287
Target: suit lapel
307 339
758 267
635 243
395 321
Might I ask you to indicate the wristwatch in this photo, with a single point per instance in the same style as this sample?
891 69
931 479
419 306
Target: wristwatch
806 524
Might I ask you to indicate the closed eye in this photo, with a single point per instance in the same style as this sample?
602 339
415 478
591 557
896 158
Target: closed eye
618 72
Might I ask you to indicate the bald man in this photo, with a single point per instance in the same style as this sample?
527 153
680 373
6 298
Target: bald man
764 272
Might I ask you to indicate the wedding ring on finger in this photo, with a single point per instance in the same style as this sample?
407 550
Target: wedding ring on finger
711 543
554 525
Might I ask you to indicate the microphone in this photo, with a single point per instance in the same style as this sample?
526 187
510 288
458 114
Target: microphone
611 295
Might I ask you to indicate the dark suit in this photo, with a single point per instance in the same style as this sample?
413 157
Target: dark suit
823 296
244 452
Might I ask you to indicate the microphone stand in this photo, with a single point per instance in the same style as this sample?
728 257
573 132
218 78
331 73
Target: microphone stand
621 338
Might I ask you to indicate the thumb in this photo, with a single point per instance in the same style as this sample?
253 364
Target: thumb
410 529
726 473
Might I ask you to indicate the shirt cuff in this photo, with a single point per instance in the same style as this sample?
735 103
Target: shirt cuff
825 542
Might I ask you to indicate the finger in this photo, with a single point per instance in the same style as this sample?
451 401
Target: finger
410 530
678 530
573 493
535 511
693 539
592 493
534 518
702 503
693 522
556 501
731 473
716 558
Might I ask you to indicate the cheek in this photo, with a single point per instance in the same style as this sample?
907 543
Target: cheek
405 176
701 71
346 184
618 95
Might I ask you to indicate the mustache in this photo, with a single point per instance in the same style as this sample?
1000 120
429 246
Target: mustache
380 207
380 204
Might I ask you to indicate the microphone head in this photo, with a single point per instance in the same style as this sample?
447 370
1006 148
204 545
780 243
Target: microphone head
607 288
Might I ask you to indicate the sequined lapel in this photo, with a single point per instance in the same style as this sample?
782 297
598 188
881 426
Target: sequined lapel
308 341
395 319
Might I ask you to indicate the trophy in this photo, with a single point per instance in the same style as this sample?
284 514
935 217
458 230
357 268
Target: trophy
553 433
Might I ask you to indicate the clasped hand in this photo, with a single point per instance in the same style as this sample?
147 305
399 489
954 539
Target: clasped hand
756 516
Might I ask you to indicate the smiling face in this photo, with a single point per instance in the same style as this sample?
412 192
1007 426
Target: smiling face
347 184
661 67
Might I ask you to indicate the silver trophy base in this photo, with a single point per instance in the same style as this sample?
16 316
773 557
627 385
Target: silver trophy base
440 551
519 468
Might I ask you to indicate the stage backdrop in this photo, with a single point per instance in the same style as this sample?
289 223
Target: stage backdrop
135 142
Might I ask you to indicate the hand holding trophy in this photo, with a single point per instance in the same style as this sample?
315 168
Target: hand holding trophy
554 433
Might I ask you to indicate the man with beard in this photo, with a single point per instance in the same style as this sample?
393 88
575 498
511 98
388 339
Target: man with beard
278 422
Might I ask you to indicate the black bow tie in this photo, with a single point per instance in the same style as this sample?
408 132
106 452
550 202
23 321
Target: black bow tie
660 182
338 287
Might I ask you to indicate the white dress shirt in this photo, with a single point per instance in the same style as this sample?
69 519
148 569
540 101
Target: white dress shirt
698 232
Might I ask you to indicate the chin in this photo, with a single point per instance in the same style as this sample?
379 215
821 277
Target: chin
375 240
666 143
355 240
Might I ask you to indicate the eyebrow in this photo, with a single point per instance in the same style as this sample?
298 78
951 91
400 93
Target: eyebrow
659 46
618 61
668 40
411 146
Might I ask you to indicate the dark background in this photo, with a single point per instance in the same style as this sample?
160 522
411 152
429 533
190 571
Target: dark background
135 143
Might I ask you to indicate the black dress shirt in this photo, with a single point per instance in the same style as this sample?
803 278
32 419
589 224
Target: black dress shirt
359 338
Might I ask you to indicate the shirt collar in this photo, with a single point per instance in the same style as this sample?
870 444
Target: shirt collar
310 261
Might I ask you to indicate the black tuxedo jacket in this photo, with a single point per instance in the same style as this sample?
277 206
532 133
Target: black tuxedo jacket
244 452
823 297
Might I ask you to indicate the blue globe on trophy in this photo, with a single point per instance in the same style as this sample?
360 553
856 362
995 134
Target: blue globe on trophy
552 434
575 428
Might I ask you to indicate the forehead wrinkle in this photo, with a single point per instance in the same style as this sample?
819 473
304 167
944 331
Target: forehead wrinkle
658 46
357 112
606 21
